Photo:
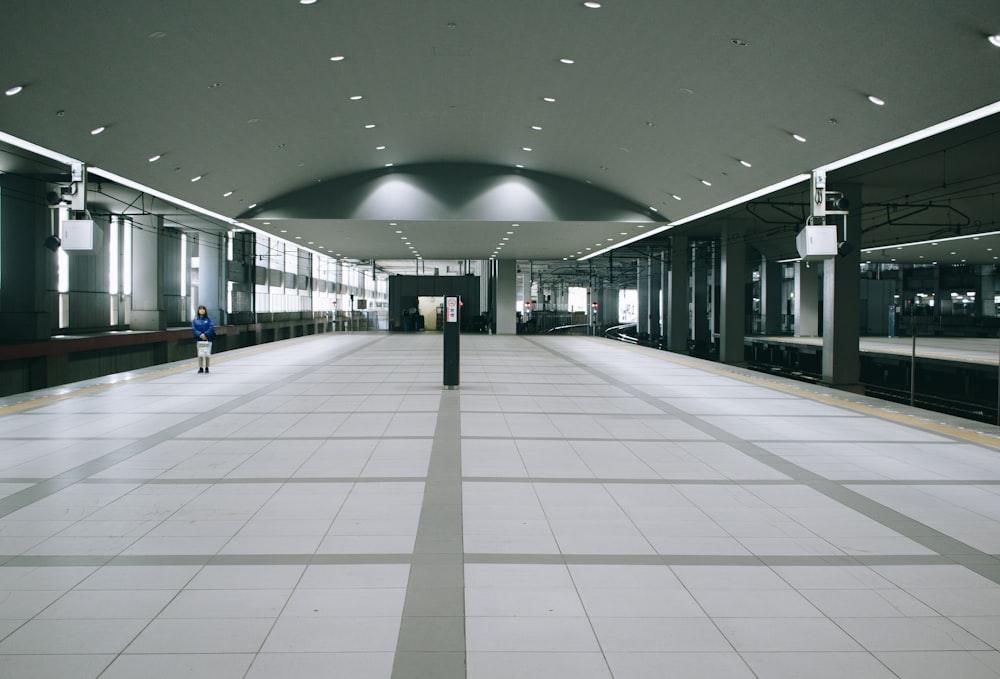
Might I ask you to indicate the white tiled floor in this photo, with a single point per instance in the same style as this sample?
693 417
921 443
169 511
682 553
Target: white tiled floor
624 514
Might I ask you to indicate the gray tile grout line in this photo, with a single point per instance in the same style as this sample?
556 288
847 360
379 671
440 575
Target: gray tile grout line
442 587
43 489
431 641
600 480
941 544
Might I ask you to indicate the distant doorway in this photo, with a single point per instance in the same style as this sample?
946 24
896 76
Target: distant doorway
430 308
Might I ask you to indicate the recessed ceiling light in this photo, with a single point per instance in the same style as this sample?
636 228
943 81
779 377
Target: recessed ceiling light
227 194
653 208
195 179
251 206
337 58
97 130
611 239
10 92
995 40
565 60
536 127
284 231
675 196
519 166
706 182
505 238
623 233
380 148
389 164
155 158
876 100
369 126
549 99
525 148
510 233
592 5
307 2
357 97
745 163
798 137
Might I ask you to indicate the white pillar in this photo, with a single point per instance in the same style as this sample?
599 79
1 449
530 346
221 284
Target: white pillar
506 310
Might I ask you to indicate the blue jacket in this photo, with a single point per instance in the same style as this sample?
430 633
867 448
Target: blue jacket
202 325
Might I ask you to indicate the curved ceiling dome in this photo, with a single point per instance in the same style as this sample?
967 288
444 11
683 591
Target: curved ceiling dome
454 191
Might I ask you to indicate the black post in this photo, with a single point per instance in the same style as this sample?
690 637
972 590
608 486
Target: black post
451 328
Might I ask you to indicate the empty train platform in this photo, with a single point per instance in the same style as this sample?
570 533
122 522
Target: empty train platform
577 508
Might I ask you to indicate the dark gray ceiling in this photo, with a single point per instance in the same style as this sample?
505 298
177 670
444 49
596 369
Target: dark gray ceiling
661 95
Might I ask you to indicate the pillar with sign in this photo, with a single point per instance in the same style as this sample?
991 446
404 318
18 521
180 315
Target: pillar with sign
451 327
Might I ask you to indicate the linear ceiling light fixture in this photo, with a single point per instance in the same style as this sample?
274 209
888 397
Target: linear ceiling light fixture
705 213
900 246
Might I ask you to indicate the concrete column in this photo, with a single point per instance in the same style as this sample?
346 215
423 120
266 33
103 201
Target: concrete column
771 302
987 292
655 281
211 250
664 292
525 280
642 290
29 302
506 302
702 264
148 311
806 303
609 302
677 295
841 295
733 288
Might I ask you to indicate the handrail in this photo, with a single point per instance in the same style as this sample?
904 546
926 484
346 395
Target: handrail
616 331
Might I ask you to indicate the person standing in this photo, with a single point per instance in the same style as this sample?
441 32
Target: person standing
203 330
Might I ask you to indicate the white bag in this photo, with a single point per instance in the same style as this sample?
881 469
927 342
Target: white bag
204 349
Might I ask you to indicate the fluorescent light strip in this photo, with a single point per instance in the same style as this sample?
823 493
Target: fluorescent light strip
950 124
931 241
36 149
705 213
66 160
944 126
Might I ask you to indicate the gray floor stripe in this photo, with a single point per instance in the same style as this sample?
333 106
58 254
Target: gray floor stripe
425 599
432 633
944 545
